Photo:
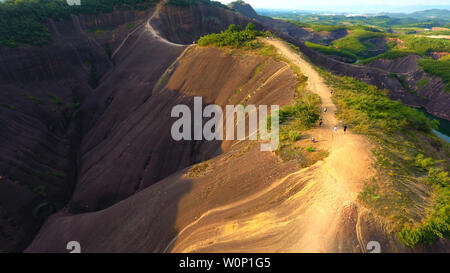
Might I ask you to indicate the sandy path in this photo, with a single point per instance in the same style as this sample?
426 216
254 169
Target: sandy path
148 27
305 211
153 32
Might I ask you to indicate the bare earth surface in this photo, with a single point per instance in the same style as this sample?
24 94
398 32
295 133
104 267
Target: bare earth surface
439 36
311 210
245 200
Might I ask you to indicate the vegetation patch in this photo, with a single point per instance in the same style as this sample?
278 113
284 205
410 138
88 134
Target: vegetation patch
423 45
235 37
389 55
354 42
33 98
440 68
422 83
260 68
319 27
328 50
56 101
198 170
403 82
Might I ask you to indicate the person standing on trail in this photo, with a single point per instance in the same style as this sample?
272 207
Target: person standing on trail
345 128
313 140
335 128
320 122
325 110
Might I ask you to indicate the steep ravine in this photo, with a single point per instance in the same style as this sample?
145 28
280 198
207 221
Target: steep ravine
140 148
429 89
82 128
41 91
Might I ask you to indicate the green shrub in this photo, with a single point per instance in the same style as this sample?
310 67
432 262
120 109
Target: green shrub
423 162
304 109
56 101
422 83
294 136
235 36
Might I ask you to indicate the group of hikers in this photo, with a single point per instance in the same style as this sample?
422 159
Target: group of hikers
336 127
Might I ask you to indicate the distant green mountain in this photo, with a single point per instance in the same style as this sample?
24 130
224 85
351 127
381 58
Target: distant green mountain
442 14
433 13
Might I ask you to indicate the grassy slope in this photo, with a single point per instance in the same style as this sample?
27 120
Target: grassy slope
328 50
411 190
353 47
354 42
440 68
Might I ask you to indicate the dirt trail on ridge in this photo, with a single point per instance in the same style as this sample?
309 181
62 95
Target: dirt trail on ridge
148 28
311 210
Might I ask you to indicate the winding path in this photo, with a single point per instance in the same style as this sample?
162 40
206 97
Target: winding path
305 211
148 28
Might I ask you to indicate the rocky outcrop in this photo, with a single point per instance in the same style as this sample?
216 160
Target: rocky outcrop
184 25
145 152
84 128
429 89
42 90
407 64
299 33
244 9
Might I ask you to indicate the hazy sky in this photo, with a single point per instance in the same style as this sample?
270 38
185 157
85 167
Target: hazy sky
332 4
